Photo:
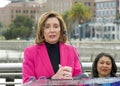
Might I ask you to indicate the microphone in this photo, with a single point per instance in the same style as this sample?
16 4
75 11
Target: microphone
83 75
64 32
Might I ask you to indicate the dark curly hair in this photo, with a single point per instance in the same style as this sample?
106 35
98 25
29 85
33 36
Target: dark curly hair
94 66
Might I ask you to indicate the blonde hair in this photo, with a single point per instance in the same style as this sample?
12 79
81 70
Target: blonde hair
41 24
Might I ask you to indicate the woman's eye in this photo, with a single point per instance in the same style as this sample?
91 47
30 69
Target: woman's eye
101 62
55 26
108 63
47 26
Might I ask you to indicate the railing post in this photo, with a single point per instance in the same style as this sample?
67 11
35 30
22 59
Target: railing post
10 79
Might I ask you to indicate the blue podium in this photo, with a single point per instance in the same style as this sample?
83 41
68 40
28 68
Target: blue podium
83 82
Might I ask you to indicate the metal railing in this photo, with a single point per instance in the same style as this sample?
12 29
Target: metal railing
11 83
14 69
11 66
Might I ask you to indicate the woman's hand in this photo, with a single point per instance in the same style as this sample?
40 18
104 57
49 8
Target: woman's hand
64 72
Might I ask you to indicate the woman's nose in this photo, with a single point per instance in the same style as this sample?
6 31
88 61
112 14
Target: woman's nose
51 29
104 64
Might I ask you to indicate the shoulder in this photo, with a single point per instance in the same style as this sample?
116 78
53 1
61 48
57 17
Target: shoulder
31 51
67 45
31 47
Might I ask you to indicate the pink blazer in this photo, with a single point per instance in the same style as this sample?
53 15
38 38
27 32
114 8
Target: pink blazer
36 61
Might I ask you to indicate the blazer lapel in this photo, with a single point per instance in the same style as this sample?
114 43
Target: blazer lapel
45 59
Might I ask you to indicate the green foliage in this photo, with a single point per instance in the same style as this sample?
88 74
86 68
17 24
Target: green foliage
79 12
25 32
7 33
118 17
2 38
20 27
65 16
67 21
1 25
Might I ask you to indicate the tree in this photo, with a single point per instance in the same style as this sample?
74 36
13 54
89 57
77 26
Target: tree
79 14
68 22
7 34
20 27
118 16
1 25
65 17
117 19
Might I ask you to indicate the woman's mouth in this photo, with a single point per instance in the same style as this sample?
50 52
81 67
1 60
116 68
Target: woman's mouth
52 36
104 70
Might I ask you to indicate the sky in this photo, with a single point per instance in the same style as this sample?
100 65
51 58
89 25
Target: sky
4 2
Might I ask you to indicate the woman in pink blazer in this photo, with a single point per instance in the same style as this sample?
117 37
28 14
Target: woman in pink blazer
50 57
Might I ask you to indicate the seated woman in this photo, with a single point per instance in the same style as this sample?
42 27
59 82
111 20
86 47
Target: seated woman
104 66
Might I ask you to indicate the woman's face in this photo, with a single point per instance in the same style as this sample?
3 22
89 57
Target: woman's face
104 67
52 30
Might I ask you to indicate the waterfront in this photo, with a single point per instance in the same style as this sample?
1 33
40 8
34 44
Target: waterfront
12 51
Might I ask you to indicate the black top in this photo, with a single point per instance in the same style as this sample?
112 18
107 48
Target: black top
54 55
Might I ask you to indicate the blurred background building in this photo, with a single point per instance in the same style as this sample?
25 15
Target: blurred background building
103 20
